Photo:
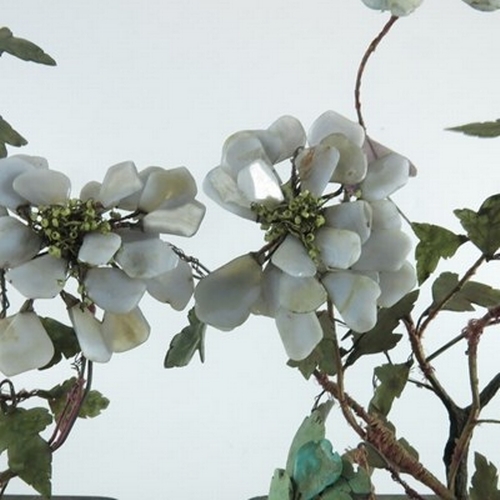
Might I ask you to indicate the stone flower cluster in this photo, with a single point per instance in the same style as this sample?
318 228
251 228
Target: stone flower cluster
344 245
106 242
404 7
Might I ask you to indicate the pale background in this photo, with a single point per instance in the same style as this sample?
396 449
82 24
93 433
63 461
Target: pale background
164 83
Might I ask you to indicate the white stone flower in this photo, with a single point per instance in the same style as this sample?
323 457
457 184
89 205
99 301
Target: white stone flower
397 7
332 232
108 240
484 5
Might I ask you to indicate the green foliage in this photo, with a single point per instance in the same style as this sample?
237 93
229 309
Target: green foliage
9 136
29 455
479 129
392 380
435 243
316 467
281 486
483 226
23 49
92 406
352 485
322 356
472 292
381 337
184 345
64 339
485 480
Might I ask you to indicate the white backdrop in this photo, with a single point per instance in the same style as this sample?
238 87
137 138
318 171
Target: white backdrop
165 82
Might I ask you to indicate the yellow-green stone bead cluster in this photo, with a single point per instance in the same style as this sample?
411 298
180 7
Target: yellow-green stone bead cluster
63 226
301 216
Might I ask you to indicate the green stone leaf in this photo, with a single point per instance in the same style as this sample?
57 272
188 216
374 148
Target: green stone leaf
392 380
93 405
321 357
479 129
316 467
381 337
483 226
361 484
64 339
435 243
9 136
23 49
485 480
186 343
311 429
31 458
281 486
335 494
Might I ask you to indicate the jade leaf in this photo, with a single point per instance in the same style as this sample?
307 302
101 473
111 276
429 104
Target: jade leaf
485 480
64 339
316 467
93 405
31 459
311 429
9 136
479 129
381 337
435 243
392 380
483 226
23 49
184 345
281 486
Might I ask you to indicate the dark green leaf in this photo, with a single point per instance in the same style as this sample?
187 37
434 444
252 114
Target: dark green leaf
479 129
435 243
93 404
484 480
64 339
316 467
23 49
31 458
322 357
9 136
311 429
392 380
281 486
186 343
483 227
381 338
335 493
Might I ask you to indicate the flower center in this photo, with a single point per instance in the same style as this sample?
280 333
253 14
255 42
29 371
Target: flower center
63 226
300 216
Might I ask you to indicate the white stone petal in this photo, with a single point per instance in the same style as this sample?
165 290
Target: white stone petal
98 249
112 290
34 161
331 122
40 278
123 332
292 257
354 216
241 149
169 188
385 250
385 176
291 136
300 295
43 187
226 296
316 166
90 191
146 259
396 284
181 221
24 344
120 181
385 215
89 334
18 243
352 165
10 168
300 333
355 297
174 287
339 248
268 302
259 184
484 5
